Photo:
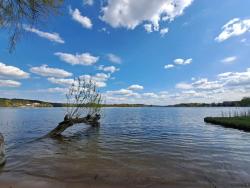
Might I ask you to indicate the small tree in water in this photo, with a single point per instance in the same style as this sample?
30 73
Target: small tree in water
83 106
82 99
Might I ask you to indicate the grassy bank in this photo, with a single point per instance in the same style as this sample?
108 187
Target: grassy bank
242 123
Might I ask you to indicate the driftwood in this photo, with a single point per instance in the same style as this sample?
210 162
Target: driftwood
68 122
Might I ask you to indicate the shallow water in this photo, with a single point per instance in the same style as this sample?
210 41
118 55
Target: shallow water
134 147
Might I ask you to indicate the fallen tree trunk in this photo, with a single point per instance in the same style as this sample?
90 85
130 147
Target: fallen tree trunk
68 122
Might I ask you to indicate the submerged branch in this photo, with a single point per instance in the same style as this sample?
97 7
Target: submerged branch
69 122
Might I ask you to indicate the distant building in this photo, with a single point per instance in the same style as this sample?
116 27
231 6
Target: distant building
36 104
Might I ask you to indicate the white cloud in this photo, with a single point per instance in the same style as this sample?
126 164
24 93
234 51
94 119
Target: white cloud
188 61
151 95
54 90
100 84
224 81
135 87
54 37
88 2
201 84
234 27
131 97
78 59
9 83
12 72
229 60
183 85
207 85
200 91
183 61
235 78
169 66
190 92
227 86
61 81
123 92
164 92
114 58
111 69
100 79
44 70
148 28
57 90
243 40
130 13
122 95
104 30
164 31
83 20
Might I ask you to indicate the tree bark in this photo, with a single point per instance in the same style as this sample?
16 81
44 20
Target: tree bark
2 150
62 126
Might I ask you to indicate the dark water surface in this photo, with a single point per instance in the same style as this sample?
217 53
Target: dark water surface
134 147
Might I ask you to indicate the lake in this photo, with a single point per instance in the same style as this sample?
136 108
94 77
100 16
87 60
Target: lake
133 147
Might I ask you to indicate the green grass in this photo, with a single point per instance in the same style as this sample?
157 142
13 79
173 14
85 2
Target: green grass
242 123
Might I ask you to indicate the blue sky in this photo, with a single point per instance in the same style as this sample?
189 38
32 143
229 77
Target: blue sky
137 52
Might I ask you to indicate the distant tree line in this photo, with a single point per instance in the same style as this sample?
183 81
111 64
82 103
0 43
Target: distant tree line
24 102
245 102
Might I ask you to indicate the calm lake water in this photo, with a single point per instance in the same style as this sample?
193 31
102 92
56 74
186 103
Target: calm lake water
134 147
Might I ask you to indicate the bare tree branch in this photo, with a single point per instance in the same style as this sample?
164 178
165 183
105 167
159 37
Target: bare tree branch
15 13
83 106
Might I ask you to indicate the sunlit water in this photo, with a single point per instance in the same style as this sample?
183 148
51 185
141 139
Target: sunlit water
133 147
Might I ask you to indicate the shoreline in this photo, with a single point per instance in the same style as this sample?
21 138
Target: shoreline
240 123
5 102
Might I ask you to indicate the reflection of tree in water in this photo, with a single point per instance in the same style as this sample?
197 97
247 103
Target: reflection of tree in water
80 155
90 132
78 144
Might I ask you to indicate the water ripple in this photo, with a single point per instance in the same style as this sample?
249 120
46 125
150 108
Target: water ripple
147 147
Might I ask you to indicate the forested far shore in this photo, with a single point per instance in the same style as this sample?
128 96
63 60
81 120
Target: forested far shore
245 102
4 102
